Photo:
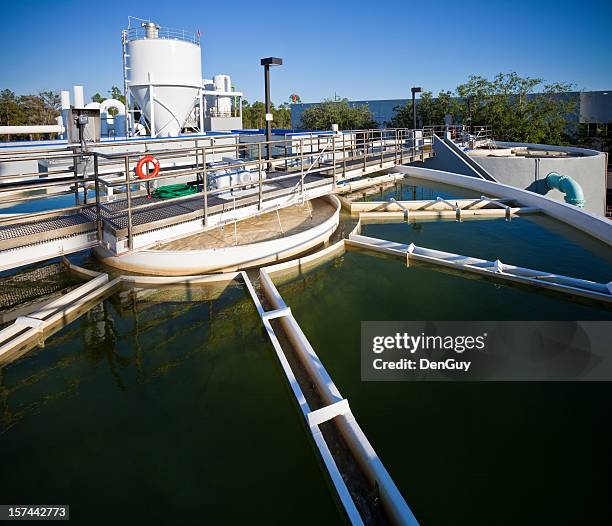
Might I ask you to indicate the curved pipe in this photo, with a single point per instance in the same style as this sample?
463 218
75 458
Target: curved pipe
105 105
568 186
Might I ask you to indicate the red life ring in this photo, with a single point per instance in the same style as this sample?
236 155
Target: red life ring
140 167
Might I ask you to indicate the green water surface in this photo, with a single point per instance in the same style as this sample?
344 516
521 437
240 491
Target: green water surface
498 453
533 241
165 407
413 189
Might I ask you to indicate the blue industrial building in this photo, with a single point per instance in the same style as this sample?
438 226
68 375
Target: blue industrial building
593 107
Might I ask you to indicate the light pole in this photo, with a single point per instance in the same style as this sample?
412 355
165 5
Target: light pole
414 92
266 63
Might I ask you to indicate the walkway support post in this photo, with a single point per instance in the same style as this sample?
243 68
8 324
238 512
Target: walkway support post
128 188
302 165
205 186
344 154
98 213
334 159
365 151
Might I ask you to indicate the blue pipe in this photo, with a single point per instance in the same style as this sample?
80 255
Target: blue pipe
572 190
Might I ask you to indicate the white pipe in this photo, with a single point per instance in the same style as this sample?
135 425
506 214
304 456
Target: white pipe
112 103
79 98
65 98
42 128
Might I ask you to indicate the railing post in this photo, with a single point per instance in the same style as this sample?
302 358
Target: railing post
75 167
365 151
197 156
85 182
205 186
302 165
344 154
129 202
260 178
395 144
334 159
97 187
381 148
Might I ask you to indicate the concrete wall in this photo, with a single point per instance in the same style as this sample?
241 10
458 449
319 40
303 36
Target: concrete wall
222 123
594 225
447 161
530 173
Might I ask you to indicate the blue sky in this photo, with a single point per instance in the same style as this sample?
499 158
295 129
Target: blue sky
359 50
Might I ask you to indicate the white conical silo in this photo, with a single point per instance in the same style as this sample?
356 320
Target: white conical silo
164 75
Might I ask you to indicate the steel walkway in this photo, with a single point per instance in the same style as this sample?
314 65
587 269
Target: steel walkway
131 219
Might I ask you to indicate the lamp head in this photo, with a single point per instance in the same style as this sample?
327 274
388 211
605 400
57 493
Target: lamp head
272 61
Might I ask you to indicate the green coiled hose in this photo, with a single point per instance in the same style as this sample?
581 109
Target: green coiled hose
173 190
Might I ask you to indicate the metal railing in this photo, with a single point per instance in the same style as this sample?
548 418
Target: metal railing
167 33
296 163
463 134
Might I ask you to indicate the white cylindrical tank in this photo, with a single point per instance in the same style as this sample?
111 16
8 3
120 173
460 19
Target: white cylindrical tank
65 98
79 98
164 77
219 82
223 83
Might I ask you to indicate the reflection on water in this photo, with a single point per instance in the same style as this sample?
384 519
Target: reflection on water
21 288
157 406
413 189
462 453
533 241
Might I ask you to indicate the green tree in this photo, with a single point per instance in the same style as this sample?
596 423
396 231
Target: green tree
430 111
340 112
254 115
506 103
11 113
115 93
41 108
282 116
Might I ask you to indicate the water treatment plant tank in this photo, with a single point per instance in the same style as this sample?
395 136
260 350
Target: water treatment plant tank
164 72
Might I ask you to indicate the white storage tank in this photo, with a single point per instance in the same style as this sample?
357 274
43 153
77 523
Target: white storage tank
164 73
223 83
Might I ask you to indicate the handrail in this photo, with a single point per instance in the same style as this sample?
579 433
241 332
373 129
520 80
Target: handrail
112 179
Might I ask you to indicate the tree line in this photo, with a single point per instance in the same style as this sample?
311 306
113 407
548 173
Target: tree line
23 110
45 106
254 115
506 103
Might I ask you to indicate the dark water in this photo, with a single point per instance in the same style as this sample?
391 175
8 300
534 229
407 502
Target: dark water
166 408
411 189
463 453
532 241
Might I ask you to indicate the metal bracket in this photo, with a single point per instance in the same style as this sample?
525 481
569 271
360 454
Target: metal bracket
319 416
